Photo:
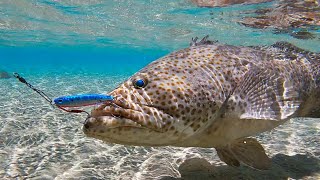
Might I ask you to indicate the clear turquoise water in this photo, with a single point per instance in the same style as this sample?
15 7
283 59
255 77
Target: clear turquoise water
80 46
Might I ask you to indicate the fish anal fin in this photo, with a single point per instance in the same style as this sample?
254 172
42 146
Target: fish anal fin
226 156
250 152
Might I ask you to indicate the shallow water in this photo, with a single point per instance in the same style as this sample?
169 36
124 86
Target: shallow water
78 46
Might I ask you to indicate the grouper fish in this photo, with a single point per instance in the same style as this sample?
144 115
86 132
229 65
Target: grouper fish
212 95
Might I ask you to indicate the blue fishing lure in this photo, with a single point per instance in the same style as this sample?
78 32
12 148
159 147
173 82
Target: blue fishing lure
77 100
80 100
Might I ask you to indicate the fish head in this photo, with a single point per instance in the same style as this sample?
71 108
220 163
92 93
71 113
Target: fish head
163 104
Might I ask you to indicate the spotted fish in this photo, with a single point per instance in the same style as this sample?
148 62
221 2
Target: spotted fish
212 95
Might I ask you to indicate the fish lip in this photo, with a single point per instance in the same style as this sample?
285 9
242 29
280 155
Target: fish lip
121 109
116 113
90 120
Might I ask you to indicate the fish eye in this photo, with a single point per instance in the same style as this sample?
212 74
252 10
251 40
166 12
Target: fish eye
60 100
140 83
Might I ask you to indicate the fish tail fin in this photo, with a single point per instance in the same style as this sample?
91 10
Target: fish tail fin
248 151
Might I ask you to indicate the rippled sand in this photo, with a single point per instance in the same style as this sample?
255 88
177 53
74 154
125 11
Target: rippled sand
39 142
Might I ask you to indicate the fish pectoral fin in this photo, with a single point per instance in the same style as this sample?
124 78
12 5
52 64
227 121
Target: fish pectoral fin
227 156
248 151
266 93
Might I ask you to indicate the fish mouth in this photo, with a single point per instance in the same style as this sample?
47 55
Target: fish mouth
122 114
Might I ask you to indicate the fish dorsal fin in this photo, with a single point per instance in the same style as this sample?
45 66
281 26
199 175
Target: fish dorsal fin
287 47
204 41
265 93
287 51
292 52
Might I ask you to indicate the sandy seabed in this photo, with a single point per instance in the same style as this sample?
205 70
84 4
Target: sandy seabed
40 142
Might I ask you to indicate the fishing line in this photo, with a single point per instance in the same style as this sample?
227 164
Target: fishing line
46 97
21 79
